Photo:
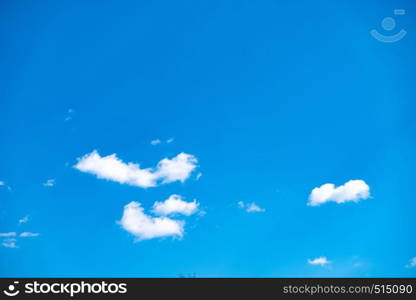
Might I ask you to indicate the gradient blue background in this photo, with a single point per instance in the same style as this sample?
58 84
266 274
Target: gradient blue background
273 97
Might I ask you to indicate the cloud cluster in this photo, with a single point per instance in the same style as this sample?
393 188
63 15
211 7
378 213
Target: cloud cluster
112 168
10 240
353 190
9 243
250 207
144 226
134 219
320 261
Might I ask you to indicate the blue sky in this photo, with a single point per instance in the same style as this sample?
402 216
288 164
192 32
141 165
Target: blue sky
266 100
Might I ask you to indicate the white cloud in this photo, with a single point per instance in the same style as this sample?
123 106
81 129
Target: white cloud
176 169
49 183
175 205
145 227
7 234
28 234
155 142
353 190
170 140
412 263
2 183
250 207
9 243
253 207
112 168
320 261
198 176
24 220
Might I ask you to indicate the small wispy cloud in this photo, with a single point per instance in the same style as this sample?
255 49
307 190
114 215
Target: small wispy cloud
412 263
155 142
158 141
69 114
198 176
351 191
3 184
253 207
49 183
250 207
9 243
29 234
7 234
24 220
320 261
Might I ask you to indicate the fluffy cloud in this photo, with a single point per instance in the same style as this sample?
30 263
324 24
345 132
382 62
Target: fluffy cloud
112 168
176 169
250 207
353 190
145 227
7 234
2 183
49 183
9 243
320 261
28 234
412 263
175 205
